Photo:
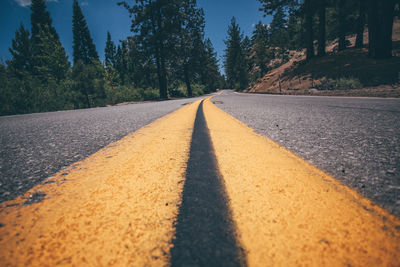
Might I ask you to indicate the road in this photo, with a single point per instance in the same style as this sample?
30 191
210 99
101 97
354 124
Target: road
357 140
198 187
35 146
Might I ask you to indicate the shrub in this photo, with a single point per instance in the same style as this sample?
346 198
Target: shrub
348 83
151 94
198 89
343 83
123 93
178 90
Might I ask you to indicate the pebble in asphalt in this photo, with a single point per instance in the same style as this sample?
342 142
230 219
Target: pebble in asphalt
33 147
357 140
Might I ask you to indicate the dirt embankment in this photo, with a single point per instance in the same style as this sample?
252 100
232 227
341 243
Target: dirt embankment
321 76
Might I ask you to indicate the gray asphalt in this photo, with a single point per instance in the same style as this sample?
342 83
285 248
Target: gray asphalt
33 147
357 140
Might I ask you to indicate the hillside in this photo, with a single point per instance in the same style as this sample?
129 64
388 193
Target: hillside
337 72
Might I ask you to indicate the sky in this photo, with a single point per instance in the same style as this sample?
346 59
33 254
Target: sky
105 15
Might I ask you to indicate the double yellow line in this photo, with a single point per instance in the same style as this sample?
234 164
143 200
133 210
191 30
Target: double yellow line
119 206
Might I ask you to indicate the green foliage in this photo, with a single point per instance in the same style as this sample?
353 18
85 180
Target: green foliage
109 53
21 52
83 46
295 30
209 75
151 94
198 89
123 93
235 63
88 85
121 62
278 29
49 58
30 94
270 6
13 93
260 52
342 83
35 79
156 25
178 90
168 44
40 17
188 48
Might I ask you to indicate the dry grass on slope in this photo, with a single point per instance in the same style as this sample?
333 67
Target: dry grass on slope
337 73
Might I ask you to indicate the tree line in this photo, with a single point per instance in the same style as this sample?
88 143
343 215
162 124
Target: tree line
166 56
306 24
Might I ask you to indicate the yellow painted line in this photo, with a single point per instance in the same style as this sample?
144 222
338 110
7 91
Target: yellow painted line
116 207
289 213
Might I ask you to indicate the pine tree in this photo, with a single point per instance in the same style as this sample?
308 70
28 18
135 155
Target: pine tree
295 30
260 45
308 14
360 23
210 75
380 26
88 85
109 53
49 60
21 52
278 32
39 18
88 73
156 23
307 9
140 66
52 61
190 47
321 27
342 24
270 6
121 61
83 46
16 92
235 58
246 46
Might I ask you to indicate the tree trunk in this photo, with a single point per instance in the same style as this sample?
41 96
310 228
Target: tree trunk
321 28
162 77
187 81
387 28
162 83
87 99
372 26
360 24
342 25
309 29
380 27
160 55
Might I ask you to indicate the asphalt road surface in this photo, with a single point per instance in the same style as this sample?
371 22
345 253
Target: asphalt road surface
357 140
199 187
35 146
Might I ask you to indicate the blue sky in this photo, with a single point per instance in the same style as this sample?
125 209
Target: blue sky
105 15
